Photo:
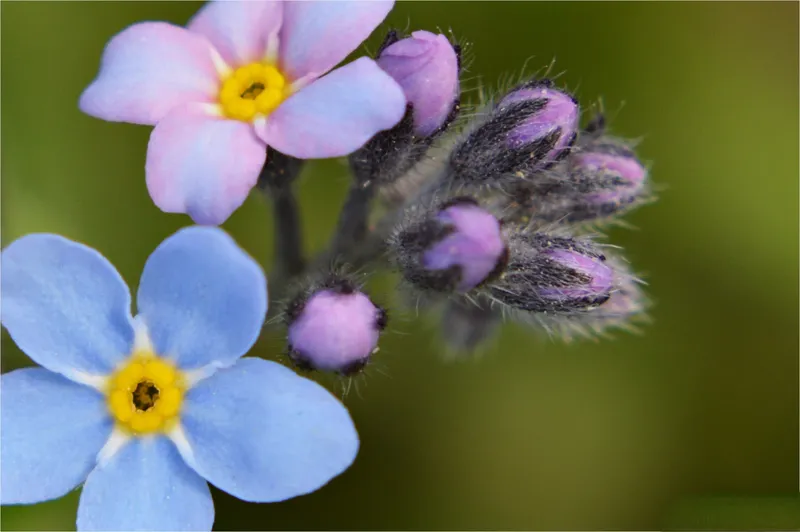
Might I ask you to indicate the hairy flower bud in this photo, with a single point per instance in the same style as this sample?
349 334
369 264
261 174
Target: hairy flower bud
531 128
625 308
553 274
626 305
426 66
615 174
600 180
334 327
456 248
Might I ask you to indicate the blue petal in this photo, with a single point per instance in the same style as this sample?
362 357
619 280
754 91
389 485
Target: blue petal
65 305
145 486
263 434
52 432
202 298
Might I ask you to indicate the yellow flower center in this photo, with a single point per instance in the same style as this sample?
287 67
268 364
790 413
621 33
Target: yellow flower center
145 395
252 90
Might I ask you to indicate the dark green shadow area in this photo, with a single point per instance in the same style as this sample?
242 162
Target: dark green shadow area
735 513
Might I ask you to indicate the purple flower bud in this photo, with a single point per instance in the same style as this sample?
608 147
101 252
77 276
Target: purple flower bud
553 274
426 67
530 129
334 329
620 178
603 179
548 131
624 304
624 309
456 249
599 277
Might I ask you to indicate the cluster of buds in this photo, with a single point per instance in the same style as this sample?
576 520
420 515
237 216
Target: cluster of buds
499 228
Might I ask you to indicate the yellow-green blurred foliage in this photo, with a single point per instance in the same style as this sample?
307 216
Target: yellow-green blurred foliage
693 424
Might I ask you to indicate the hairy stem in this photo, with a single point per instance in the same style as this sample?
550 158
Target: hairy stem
352 227
276 181
289 260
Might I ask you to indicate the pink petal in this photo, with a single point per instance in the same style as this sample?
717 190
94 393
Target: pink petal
337 114
240 30
316 36
202 165
146 70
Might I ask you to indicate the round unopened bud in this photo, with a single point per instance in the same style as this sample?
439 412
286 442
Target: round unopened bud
456 249
426 67
530 129
334 329
553 274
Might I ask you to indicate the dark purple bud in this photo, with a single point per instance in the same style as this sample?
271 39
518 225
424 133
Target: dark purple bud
551 130
599 277
625 308
602 179
426 67
553 274
334 328
620 178
456 249
531 128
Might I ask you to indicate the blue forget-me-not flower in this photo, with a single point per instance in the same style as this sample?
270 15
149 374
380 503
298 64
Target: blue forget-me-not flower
145 411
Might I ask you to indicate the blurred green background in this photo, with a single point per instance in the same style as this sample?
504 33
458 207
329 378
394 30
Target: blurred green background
693 424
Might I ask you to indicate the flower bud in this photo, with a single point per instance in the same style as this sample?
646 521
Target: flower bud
601 180
617 175
626 305
334 327
426 67
530 129
553 274
456 249
625 308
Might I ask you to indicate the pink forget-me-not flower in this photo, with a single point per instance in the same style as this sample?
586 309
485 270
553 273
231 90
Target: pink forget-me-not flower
143 411
243 75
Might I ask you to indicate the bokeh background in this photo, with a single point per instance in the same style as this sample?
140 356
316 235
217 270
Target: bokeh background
693 424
